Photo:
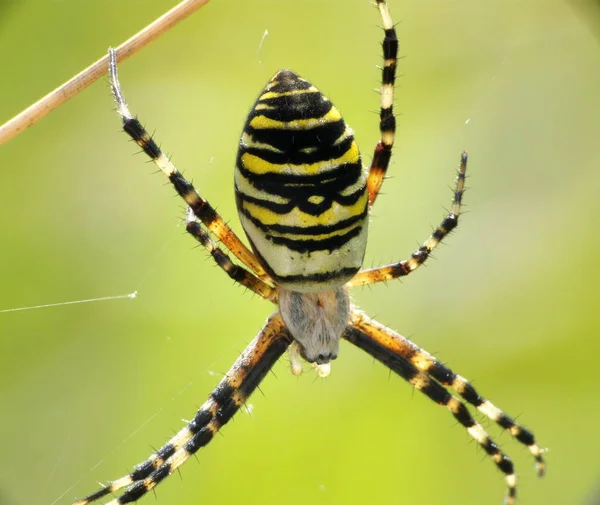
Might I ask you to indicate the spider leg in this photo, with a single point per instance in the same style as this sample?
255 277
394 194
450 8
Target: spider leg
424 373
425 362
201 208
387 120
236 272
402 268
231 393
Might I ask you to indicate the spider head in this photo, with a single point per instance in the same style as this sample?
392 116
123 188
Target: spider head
316 321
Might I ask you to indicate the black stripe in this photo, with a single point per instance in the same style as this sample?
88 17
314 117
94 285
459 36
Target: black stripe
463 416
323 152
201 208
223 391
490 447
471 395
199 440
381 159
201 419
162 473
304 205
317 278
388 121
307 246
507 467
399 270
136 131
390 44
439 234
449 223
227 410
436 392
526 437
389 74
147 467
442 373
294 140
301 186
506 422
133 493
311 105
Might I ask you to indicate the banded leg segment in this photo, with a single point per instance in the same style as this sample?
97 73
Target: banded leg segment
202 209
387 120
231 393
425 362
236 272
402 268
436 392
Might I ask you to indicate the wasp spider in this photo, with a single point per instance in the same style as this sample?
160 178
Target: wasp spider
303 197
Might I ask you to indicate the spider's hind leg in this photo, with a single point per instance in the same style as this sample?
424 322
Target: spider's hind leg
428 375
231 393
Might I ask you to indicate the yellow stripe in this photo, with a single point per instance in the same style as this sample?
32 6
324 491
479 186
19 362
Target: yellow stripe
262 122
275 94
263 106
257 165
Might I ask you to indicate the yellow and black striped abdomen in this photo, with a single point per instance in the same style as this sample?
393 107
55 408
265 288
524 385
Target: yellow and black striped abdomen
301 187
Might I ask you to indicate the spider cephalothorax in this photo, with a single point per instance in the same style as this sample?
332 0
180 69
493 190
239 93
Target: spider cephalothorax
316 321
303 197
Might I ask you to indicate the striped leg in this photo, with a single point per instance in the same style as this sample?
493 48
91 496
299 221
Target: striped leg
402 268
202 209
231 393
428 375
236 272
387 120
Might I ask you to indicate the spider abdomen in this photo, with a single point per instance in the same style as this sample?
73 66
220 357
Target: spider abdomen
301 187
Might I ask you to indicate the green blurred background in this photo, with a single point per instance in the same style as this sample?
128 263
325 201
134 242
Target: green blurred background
87 390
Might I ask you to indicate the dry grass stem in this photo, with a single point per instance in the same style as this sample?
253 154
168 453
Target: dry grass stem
78 83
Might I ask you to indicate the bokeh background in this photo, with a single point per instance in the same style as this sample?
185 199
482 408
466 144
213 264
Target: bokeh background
511 302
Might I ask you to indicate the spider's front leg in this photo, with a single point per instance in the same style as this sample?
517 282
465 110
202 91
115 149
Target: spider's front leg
381 161
402 268
387 120
231 393
201 207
